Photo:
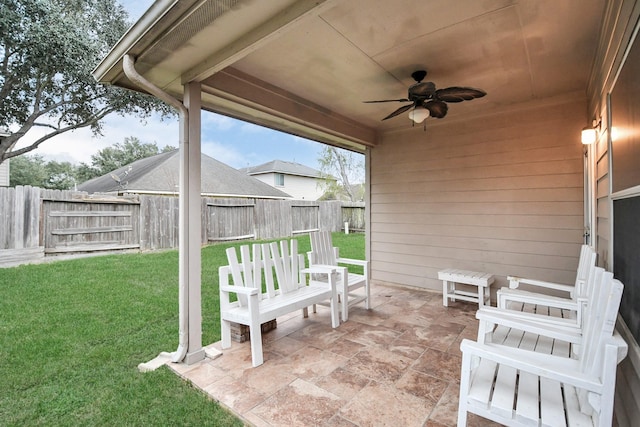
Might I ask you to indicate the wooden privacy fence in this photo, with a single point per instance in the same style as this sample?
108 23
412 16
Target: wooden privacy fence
235 219
36 222
72 226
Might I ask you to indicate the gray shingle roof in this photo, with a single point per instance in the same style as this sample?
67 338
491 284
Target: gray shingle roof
160 173
281 166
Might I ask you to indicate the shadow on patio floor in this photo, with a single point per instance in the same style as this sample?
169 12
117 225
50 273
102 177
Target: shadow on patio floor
397 364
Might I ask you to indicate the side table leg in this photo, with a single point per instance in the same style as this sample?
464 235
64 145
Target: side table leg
445 291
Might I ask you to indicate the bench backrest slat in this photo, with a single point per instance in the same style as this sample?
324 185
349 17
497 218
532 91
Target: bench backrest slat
247 266
270 286
287 265
236 273
266 258
248 273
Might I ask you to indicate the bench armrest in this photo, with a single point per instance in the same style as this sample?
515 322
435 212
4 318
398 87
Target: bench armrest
239 290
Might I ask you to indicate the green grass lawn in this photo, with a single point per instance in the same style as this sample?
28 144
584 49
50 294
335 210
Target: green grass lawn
73 332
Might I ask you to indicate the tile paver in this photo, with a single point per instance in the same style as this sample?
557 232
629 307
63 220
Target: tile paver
397 364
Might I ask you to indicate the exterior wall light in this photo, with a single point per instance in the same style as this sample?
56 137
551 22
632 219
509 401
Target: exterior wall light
590 133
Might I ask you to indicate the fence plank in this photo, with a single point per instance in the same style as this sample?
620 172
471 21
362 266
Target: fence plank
67 221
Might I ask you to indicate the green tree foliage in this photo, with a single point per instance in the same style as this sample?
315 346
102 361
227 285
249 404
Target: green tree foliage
118 155
35 171
48 49
60 175
342 172
27 170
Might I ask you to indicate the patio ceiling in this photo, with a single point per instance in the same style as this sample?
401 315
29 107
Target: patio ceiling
305 66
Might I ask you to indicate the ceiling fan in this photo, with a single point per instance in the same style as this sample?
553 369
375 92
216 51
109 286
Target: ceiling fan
427 101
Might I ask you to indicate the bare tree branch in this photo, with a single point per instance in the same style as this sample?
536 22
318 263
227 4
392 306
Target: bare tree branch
57 131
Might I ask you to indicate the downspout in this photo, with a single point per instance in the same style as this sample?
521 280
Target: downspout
183 112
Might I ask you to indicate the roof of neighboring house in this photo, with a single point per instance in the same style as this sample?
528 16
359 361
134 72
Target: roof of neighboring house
281 166
160 174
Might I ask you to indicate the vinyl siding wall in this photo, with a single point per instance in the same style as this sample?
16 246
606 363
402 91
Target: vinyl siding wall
4 173
299 187
500 194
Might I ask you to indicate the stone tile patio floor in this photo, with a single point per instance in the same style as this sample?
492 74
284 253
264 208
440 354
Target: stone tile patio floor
397 364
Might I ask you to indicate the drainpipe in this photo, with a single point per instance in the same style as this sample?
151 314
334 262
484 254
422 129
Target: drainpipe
183 112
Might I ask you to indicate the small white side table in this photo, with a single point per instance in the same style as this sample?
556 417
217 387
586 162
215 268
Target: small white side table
451 276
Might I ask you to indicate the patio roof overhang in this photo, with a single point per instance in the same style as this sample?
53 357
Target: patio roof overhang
306 66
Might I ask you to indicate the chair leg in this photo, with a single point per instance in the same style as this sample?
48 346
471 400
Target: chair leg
464 389
344 304
367 292
335 314
445 291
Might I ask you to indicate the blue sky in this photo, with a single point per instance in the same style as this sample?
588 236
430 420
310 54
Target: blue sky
231 141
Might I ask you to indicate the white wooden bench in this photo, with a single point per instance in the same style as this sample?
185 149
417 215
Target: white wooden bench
255 306
452 276
527 373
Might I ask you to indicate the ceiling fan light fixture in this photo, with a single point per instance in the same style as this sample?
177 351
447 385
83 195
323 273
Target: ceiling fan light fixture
419 114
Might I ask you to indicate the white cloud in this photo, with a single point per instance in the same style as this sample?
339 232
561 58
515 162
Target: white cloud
78 145
218 122
226 154
250 128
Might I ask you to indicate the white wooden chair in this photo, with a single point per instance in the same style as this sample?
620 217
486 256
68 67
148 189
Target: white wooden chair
255 306
526 374
559 313
554 307
352 288
549 324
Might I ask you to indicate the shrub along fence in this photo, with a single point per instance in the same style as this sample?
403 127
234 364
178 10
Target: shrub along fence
35 223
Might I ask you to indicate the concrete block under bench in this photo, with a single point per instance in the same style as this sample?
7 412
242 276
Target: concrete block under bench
452 276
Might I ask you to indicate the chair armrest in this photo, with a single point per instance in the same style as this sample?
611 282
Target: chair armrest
529 322
352 261
320 269
515 281
239 290
562 369
509 294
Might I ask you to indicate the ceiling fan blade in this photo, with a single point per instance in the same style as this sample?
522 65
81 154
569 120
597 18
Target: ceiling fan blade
437 109
387 100
399 111
459 94
423 90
